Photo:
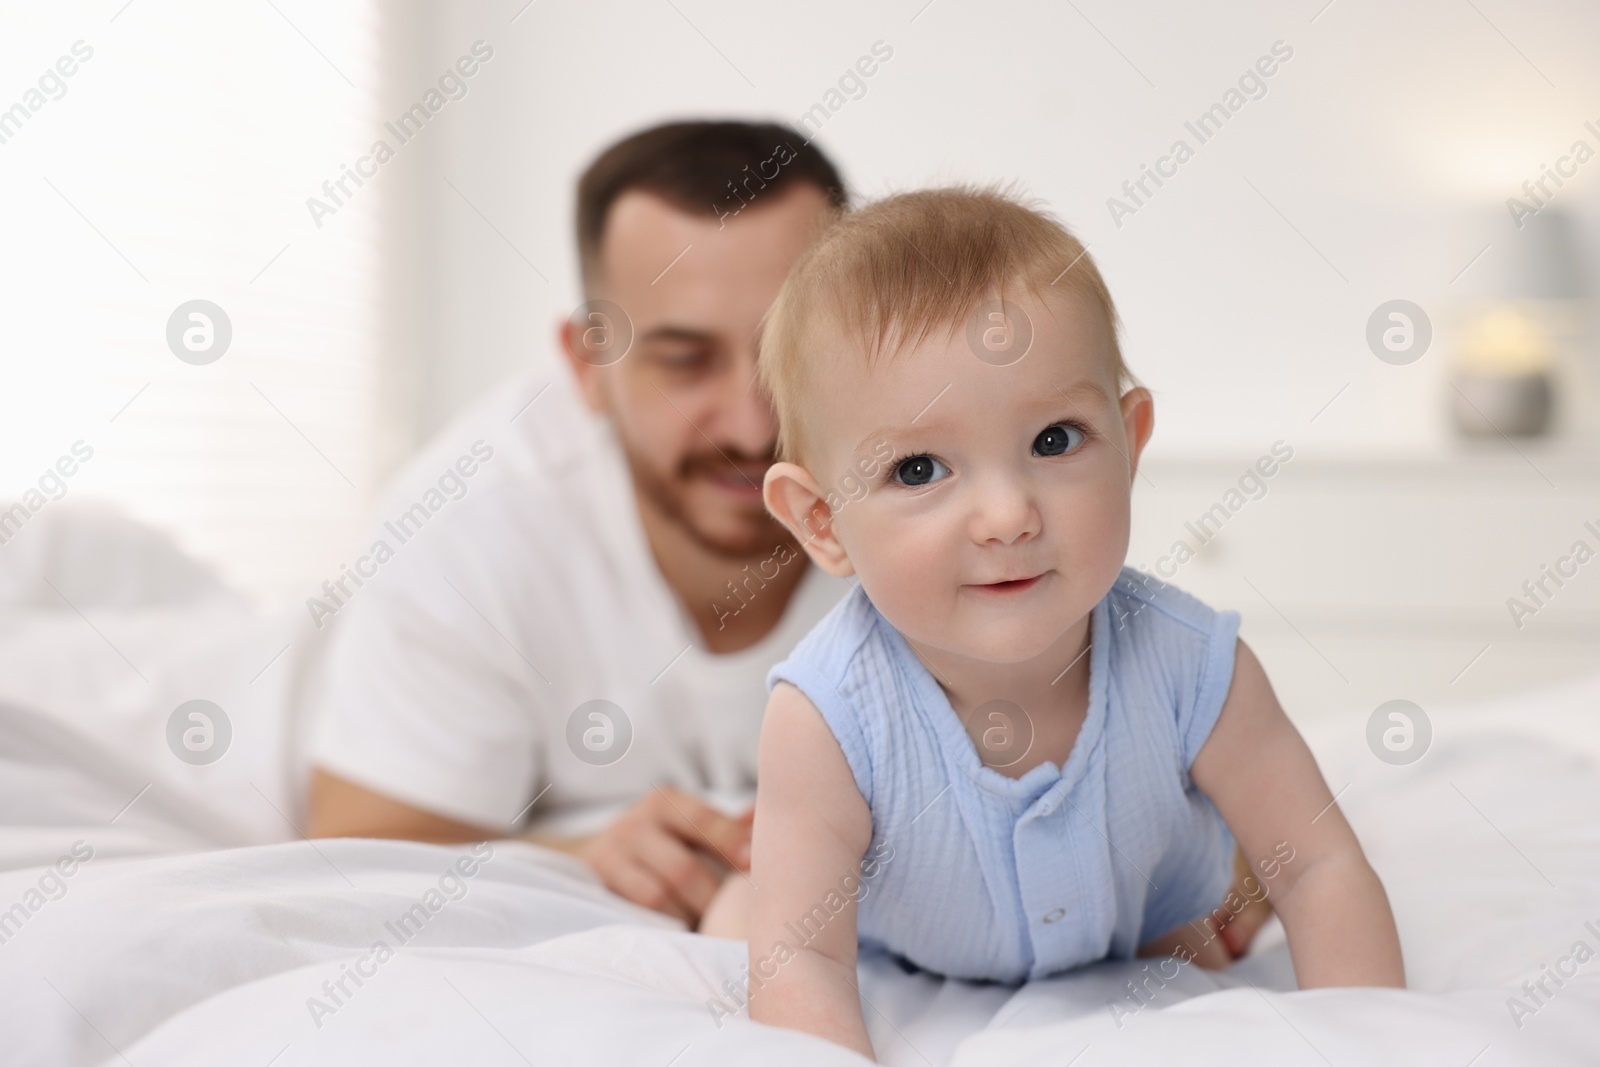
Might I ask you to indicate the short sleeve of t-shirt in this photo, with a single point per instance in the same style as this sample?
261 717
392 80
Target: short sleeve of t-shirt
463 677
429 710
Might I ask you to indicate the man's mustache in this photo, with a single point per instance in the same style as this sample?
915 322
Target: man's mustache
722 463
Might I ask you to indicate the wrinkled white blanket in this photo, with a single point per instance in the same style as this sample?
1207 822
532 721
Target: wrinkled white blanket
1489 848
155 913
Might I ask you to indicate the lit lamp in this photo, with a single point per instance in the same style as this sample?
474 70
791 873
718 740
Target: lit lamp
1528 290
1502 375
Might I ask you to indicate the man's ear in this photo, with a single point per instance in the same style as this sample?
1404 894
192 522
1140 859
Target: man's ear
1138 423
570 336
795 500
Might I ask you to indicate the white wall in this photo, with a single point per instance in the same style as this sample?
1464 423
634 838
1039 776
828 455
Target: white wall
1376 167
190 142
173 164
1387 140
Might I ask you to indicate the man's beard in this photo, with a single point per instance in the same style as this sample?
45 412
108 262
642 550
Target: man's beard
760 533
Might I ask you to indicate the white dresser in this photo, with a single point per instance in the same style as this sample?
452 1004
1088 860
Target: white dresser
1361 582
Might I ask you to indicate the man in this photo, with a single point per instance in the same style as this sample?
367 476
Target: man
626 558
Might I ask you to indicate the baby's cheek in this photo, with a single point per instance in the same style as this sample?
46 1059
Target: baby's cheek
908 575
1108 548
1096 532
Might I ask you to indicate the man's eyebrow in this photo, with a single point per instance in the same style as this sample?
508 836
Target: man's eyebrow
675 333
1086 391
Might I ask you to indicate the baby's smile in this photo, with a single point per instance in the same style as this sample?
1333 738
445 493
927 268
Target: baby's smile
1009 587
993 698
1002 516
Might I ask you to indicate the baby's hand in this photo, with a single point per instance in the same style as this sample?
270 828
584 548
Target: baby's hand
728 914
813 832
1226 933
1263 779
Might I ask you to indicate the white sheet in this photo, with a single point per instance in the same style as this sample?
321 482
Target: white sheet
192 937
210 957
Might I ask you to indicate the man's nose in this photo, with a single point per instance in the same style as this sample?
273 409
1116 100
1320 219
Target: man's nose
744 418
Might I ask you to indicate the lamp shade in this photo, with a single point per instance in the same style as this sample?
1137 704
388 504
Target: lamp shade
1540 259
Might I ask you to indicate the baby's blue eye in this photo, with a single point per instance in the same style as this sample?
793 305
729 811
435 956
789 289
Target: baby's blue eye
919 470
1057 440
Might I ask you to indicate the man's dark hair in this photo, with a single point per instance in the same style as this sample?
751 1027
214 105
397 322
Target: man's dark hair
708 168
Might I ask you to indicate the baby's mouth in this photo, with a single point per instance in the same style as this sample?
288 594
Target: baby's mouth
1010 587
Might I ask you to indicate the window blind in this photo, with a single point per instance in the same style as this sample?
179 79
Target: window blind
154 154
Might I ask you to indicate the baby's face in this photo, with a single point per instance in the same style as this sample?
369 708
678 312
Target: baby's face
1001 516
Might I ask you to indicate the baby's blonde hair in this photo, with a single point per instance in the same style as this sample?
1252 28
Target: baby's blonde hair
890 273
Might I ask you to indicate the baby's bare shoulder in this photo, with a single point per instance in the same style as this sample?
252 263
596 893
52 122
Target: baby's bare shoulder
804 780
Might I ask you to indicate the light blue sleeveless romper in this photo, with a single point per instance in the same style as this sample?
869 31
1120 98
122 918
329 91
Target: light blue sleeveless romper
982 876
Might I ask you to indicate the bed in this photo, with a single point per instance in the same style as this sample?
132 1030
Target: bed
156 912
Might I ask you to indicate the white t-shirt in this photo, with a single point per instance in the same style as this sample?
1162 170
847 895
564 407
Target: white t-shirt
498 596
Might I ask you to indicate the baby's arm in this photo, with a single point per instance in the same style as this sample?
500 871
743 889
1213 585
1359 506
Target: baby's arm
1264 781
812 828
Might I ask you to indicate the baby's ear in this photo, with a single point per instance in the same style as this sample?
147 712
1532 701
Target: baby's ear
794 498
1138 423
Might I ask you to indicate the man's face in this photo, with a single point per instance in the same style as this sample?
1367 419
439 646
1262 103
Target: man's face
697 434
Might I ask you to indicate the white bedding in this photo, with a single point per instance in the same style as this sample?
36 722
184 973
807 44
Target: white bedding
203 927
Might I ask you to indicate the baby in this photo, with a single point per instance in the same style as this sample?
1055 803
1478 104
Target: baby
1004 754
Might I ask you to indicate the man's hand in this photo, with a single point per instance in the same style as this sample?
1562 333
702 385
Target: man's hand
341 808
669 852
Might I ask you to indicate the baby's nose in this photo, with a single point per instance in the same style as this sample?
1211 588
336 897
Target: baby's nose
1005 513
